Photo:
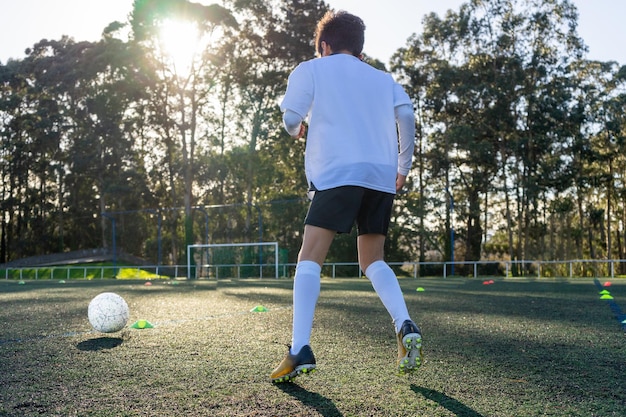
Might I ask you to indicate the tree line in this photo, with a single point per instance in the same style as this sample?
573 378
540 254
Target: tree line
520 138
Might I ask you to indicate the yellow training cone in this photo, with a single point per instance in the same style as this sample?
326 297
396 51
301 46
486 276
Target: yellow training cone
142 324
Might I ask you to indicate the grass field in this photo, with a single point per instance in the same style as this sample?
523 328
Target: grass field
514 348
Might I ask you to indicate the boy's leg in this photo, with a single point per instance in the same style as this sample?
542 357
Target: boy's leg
306 289
386 285
382 277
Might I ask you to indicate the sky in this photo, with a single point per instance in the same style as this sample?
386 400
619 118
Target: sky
389 23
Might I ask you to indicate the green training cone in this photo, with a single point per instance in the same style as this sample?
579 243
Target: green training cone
142 324
606 297
259 309
604 292
420 289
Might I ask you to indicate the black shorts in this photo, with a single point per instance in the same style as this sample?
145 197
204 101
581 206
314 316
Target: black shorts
339 208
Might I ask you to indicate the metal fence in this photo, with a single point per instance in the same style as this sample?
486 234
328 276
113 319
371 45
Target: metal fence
534 269
90 272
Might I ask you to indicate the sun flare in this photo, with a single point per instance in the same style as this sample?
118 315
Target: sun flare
179 41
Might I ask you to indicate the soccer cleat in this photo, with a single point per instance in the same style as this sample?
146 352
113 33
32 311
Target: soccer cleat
409 347
293 365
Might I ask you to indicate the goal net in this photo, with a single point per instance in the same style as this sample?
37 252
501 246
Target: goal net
233 260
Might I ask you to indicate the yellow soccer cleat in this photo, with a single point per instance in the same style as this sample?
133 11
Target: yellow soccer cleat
293 365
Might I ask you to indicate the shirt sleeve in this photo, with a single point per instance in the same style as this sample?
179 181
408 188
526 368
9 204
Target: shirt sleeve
299 95
406 135
400 96
292 122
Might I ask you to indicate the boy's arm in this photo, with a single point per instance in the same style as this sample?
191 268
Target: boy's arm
293 124
406 136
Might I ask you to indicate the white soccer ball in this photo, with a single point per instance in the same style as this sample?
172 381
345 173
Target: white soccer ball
108 312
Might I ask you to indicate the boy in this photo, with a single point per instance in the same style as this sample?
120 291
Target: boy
357 116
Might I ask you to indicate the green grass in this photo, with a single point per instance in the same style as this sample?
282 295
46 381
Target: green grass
515 348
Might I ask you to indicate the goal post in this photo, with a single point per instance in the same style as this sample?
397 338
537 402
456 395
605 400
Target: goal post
233 260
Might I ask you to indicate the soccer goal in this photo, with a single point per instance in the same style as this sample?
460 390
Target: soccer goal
233 260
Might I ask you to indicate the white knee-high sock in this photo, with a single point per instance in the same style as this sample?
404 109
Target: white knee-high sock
386 285
306 290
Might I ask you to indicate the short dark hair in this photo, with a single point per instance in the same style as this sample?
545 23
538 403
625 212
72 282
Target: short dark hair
342 31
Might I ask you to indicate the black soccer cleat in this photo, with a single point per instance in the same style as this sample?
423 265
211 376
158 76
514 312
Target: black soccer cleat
409 347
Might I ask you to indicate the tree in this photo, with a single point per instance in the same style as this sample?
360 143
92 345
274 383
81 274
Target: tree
182 99
491 76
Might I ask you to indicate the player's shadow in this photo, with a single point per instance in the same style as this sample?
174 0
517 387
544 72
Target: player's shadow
100 343
323 405
454 406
